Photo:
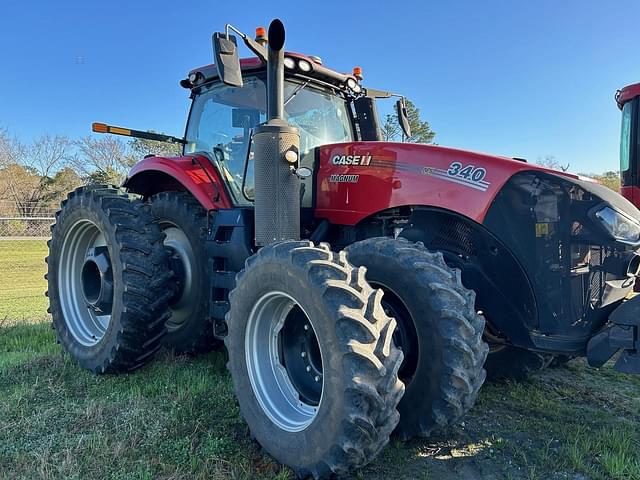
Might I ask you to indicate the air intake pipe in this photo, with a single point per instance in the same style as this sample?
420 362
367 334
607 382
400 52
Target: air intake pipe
276 151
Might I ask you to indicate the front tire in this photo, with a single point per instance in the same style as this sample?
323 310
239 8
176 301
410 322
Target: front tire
108 280
312 359
439 331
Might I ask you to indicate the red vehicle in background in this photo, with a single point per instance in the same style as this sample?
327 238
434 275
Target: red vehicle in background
628 99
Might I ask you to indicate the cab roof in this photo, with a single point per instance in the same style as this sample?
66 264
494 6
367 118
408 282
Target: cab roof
201 75
627 93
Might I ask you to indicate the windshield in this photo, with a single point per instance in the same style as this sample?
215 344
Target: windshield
222 118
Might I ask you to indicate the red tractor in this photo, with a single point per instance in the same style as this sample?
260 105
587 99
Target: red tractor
360 287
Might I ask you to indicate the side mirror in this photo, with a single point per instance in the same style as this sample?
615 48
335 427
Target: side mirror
403 118
225 50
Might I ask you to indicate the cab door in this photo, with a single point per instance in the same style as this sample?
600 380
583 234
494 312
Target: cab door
629 149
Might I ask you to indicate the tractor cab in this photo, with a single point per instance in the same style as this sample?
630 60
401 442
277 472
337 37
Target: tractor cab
628 100
223 117
230 102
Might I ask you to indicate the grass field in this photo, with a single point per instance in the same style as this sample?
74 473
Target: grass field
177 418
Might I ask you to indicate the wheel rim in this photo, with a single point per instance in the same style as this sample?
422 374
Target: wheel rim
405 336
284 361
183 263
83 279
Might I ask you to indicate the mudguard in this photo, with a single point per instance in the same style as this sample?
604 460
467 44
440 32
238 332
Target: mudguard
193 173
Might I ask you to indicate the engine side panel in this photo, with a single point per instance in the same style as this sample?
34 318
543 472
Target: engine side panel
356 180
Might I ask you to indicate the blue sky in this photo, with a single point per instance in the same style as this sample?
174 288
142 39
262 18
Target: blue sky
525 79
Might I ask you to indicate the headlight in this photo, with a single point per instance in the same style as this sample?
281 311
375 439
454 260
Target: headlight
304 66
353 85
289 63
620 226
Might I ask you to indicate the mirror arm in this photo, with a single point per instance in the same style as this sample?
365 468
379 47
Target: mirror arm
251 44
373 93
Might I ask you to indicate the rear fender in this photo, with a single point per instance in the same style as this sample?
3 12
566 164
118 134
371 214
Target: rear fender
503 290
194 173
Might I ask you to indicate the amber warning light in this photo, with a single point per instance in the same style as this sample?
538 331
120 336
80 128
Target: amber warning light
100 128
261 36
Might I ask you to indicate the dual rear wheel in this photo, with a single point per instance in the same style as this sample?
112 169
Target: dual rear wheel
127 276
109 283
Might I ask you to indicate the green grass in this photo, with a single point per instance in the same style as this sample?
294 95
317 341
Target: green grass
178 418
22 286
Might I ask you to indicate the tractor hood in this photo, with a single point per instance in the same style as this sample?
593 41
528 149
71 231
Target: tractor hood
356 180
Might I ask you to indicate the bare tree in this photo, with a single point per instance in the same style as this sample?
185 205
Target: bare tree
142 147
22 186
103 160
35 174
549 161
11 151
48 155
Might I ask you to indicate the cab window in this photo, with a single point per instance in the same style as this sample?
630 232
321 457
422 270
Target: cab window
625 137
321 116
220 125
222 118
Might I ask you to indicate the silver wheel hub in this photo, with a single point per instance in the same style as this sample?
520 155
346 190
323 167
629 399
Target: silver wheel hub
284 361
85 283
183 261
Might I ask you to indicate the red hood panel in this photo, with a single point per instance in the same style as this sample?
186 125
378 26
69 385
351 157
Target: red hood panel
356 180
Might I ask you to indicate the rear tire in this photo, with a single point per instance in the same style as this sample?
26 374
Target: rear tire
184 222
323 407
108 279
440 331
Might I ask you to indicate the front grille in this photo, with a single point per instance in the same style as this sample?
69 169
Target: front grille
598 276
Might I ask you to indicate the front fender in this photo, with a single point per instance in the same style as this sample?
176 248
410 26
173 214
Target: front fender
193 173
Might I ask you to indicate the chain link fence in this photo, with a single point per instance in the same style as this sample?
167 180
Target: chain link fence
26 219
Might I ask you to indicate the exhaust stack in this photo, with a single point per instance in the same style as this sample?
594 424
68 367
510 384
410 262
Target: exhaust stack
276 150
